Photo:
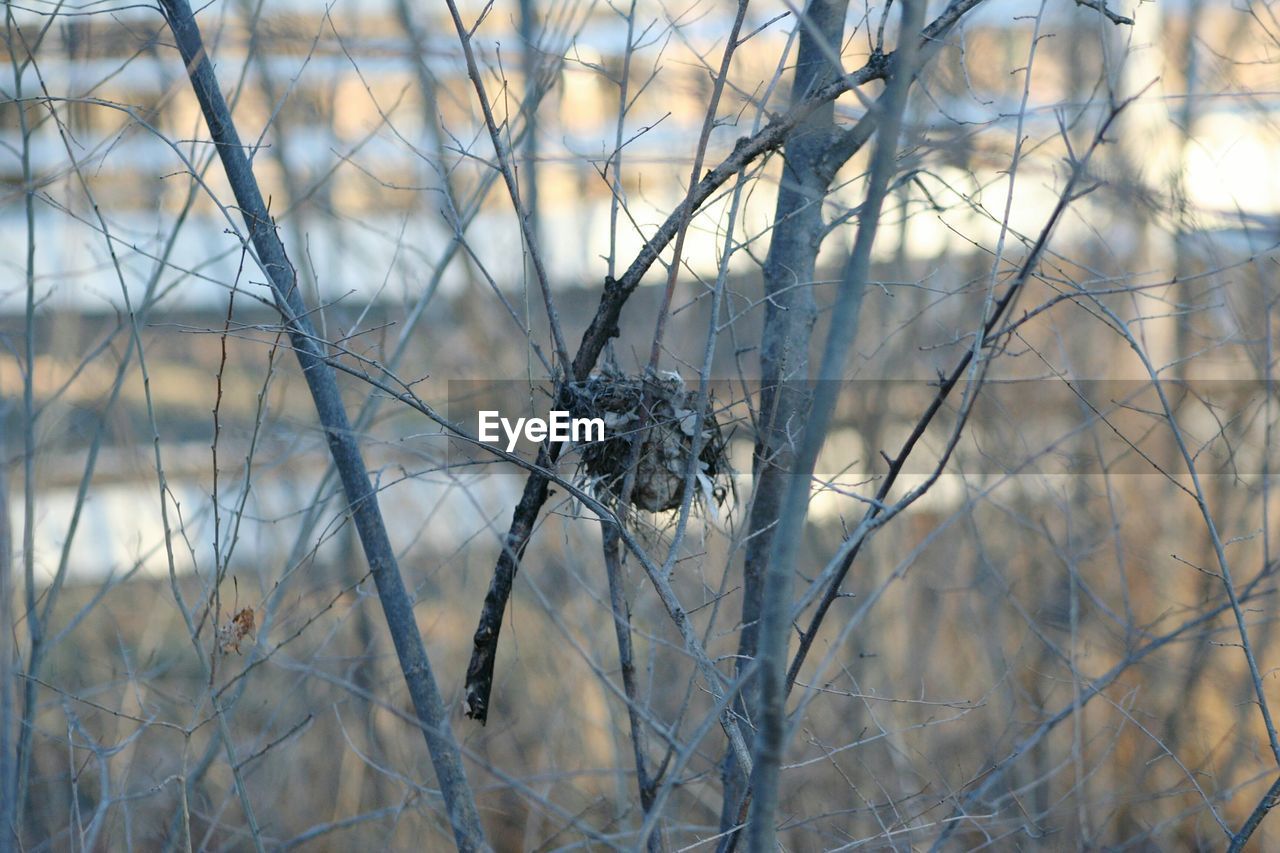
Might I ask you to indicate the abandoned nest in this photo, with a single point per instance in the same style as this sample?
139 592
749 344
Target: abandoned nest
666 433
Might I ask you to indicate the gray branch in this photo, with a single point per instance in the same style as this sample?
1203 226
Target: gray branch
361 498
775 611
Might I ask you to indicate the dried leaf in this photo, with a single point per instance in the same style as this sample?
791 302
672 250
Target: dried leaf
241 625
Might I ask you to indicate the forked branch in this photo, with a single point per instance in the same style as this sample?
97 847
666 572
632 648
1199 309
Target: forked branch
604 326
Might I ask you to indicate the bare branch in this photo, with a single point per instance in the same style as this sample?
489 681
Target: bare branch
342 443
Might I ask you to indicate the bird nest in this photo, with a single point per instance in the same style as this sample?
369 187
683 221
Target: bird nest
660 414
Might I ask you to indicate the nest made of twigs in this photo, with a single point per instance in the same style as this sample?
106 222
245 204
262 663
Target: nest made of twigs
661 414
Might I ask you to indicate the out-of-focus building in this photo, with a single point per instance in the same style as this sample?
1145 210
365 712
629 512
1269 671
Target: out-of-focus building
354 154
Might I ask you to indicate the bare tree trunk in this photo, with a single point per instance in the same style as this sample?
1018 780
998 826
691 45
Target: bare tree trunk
775 609
362 500
790 312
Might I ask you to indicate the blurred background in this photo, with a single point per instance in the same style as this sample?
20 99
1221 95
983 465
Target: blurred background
1043 641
